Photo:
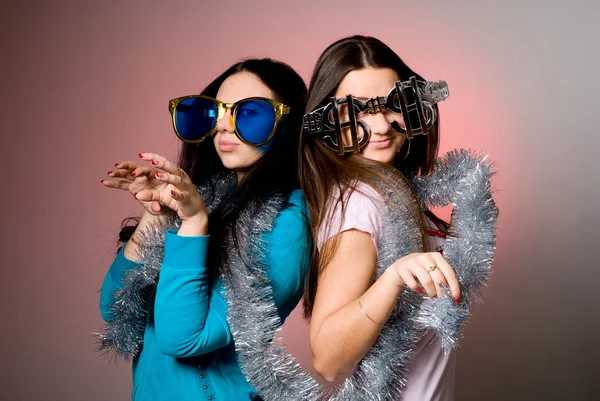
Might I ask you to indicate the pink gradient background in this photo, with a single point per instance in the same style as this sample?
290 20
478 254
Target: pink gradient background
85 84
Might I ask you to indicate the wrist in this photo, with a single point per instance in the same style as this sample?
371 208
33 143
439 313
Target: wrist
200 218
153 218
194 226
394 275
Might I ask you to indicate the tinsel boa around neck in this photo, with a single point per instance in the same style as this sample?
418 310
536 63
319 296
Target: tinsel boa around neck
460 178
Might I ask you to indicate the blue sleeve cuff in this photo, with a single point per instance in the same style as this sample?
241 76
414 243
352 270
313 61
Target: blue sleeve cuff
182 252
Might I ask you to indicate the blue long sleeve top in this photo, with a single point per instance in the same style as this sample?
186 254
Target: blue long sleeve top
188 351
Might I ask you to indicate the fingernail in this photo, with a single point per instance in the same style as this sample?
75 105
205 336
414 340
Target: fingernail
140 155
117 164
420 290
457 300
109 173
154 162
135 195
172 193
101 181
158 175
133 174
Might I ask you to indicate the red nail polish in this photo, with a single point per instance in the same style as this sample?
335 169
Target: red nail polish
140 155
157 174
117 164
109 173
172 193
101 181
420 290
457 300
135 195
133 174
154 162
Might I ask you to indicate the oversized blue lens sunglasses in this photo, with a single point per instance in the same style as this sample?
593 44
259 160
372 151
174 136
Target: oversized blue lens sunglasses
254 119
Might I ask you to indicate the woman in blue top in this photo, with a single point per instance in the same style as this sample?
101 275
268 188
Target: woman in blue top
246 217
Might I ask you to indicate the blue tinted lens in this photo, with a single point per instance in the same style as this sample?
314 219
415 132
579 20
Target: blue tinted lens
195 117
254 120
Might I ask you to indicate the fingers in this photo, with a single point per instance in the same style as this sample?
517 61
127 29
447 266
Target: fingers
127 165
162 163
175 180
409 280
152 196
143 172
439 281
432 272
134 171
158 186
182 197
120 174
178 196
129 170
155 207
421 273
449 275
160 199
130 175
116 184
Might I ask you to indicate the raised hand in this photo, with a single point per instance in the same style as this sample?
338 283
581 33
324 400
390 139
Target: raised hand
133 177
176 192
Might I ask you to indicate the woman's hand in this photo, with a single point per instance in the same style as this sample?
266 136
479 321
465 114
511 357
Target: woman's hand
161 188
133 177
431 270
175 190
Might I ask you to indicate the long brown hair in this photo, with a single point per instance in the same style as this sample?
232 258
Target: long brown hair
325 175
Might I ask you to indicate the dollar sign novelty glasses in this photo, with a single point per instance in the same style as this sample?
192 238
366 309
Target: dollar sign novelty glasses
414 99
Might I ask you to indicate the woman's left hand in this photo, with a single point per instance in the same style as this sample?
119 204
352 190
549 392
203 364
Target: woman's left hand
180 195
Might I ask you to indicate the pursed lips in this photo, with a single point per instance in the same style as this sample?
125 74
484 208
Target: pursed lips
226 146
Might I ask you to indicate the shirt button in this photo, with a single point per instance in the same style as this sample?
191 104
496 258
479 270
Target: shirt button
205 387
202 376
209 398
200 366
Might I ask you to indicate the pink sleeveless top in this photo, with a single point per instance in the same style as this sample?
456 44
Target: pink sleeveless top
431 373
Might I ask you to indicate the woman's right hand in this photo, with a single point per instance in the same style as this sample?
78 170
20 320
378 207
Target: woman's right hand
134 177
431 270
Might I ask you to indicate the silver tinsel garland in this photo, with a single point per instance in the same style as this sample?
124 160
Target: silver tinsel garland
461 178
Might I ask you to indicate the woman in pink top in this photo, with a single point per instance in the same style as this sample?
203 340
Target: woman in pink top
348 148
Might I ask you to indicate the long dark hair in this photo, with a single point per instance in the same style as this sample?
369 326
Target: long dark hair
275 173
344 173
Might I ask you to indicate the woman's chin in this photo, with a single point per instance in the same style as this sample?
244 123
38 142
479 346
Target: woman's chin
380 156
237 163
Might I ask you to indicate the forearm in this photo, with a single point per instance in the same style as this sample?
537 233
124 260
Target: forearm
190 318
181 310
132 247
347 335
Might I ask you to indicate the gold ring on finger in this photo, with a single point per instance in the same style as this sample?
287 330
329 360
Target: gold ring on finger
431 268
